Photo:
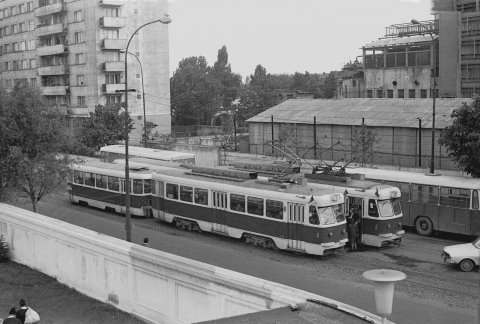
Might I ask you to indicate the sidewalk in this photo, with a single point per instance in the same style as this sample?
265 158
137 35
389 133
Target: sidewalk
54 302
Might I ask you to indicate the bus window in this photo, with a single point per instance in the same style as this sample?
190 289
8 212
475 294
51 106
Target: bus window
172 191
372 208
78 177
313 215
186 193
425 194
89 179
474 199
147 186
237 203
255 206
201 196
455 197
101 181
274 209
113 183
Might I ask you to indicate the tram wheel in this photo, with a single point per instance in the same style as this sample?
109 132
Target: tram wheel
467 265
424 226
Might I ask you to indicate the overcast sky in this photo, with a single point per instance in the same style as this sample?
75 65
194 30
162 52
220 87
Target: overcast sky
284 36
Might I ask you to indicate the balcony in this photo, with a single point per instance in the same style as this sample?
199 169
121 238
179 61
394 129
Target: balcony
54 91
113 87
111 44
114 66
112 22
113 3
49 30
51 50
49 9
51 70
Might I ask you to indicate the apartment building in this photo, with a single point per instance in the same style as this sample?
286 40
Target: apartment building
73 50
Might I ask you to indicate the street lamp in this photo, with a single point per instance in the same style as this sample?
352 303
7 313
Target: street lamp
434 74
128 221
143 97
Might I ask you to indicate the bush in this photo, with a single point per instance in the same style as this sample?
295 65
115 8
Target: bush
4 251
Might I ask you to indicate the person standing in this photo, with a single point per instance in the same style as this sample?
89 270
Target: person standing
12 317
21 312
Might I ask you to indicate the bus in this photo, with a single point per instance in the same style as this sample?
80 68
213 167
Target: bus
434 203
111 153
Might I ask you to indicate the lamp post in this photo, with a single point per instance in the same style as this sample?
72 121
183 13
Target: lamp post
434 74
128 221
143 97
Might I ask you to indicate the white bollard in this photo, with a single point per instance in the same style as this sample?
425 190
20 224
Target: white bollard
384 281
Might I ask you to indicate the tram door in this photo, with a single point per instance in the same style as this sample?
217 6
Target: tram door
219 204
295 220
159 204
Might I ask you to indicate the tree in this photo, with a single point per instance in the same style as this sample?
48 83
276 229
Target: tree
330 88
227 84
31 165
362 142
105 126
462 138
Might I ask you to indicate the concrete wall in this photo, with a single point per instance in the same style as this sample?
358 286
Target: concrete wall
449 69
153 285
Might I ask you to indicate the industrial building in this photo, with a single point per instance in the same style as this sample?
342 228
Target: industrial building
403 129
72 51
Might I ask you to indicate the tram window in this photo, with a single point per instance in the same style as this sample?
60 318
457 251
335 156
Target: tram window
78 177
172 191
326 216
455 197
153 185
89 179
372 208
237 203
255 206
186 193
113 183
274 209
101 181
313 215
201 196
138 186
425 194
475 199
147 186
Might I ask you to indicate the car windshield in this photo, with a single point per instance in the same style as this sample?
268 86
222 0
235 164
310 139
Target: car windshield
385 208
397 208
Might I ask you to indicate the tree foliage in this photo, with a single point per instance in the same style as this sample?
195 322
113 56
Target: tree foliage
462 138
362 143
32 136
105 126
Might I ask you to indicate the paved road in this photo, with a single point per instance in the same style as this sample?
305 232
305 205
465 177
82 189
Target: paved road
432 293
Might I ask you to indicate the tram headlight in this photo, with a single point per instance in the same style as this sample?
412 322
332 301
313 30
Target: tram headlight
400 224
389 226
344 232
330 234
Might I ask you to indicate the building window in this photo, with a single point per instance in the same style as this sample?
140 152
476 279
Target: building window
389 93
33 82
80 58
411 93
77 16
111 12
79 37
379 93
113 99
401 93
80 80
112 78
81 101
423 93
369 94
21 8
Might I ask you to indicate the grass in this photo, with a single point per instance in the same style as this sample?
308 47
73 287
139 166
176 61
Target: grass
54 302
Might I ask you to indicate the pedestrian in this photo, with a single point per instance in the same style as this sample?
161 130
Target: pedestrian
353 231
27 315
145 241
12 317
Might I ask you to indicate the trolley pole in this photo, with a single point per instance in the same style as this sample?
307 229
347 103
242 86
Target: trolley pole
273 149
315 137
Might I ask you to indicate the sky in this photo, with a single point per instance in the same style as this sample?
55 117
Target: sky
284 36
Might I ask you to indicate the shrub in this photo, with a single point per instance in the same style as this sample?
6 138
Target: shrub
4 251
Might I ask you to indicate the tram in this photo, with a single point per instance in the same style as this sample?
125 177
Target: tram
238 204
102 185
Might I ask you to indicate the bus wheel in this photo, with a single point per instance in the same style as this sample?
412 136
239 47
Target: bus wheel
424 226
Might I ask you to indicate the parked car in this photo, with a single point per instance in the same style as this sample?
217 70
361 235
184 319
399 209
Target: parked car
467 255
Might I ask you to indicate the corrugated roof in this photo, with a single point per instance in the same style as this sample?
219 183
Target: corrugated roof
377 112
400 41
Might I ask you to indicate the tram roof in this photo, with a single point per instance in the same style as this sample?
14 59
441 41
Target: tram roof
110 169
248 184
376 112
419 178
146 152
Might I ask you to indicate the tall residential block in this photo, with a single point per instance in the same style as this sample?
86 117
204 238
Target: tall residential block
73 50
